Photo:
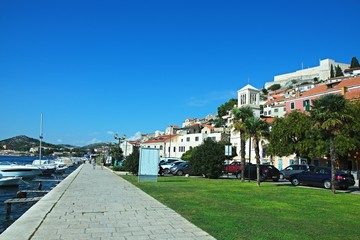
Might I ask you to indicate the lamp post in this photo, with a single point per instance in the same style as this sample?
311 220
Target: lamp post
116 136
124 140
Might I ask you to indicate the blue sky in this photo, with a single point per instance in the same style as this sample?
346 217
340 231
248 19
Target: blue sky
94 68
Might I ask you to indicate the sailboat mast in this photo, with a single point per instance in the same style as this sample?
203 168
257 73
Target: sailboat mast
41 134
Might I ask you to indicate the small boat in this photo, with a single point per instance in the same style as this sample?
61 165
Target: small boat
8 169
10 181
47 167
61 168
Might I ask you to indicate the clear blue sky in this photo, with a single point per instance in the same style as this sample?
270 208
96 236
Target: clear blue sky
94 68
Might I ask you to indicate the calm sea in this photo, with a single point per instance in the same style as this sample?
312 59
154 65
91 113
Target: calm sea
10 192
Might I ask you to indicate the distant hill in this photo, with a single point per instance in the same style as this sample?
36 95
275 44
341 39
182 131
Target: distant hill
23 143
97 145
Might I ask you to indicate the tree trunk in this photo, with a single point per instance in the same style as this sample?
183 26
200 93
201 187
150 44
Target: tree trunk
257 157
242 155
333 162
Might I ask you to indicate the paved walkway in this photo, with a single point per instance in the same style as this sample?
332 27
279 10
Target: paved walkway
97 204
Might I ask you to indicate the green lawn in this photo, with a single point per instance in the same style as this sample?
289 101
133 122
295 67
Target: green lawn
229 209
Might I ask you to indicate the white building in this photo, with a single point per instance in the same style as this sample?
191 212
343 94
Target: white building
186 138
321 72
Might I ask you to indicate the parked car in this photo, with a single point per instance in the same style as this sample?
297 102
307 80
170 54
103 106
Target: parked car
181 169
234 167
168 160
291 169
266 172
166 166
321 176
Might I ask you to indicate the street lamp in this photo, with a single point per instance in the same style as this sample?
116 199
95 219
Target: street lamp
124 140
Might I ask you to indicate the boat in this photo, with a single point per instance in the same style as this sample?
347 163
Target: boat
10 181
8 169
47 167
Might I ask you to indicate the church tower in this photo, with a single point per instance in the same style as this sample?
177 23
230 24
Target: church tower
250 96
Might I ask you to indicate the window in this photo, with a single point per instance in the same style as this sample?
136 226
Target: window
253 98
243 99
306 104
188 139
181 149
174 149
292 161
292 105
196 139
161 147
284 109
276 110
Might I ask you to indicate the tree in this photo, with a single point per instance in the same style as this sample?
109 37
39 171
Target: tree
188 154
274 87
240 115
132 161
354 63
290 135
332 73
224 110
330 113
208 159
338 71
257 129
116 153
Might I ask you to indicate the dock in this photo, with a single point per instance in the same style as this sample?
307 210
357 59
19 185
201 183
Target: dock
11 201
98 204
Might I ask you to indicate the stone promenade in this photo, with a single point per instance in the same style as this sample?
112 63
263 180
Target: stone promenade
98 204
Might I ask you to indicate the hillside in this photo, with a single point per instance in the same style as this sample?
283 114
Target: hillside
23 143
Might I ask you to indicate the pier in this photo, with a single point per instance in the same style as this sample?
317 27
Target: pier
98 204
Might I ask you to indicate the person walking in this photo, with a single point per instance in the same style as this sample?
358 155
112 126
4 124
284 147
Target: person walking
102 163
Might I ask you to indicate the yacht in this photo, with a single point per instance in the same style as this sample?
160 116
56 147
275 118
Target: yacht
8 169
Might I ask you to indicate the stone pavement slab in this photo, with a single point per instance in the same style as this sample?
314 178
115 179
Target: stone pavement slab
98 204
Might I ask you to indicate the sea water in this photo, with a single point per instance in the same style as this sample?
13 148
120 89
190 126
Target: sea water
10 192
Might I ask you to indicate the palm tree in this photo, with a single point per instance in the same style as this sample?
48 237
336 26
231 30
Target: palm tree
240 115
330 113
257 129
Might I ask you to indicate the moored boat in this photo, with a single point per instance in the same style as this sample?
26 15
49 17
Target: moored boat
10 181
47 167
8 169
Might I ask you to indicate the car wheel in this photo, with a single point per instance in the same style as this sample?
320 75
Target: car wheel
295 182
327 184
166 171
180 173
281 176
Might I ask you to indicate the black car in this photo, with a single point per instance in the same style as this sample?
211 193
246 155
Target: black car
266 172
181 169
321 176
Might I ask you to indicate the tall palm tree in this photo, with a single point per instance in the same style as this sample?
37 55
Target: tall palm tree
240 115
330 113
257 129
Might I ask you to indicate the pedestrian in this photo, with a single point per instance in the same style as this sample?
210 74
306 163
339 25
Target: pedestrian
102 162
93 162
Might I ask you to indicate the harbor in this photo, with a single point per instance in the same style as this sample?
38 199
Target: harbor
17 197
98 204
